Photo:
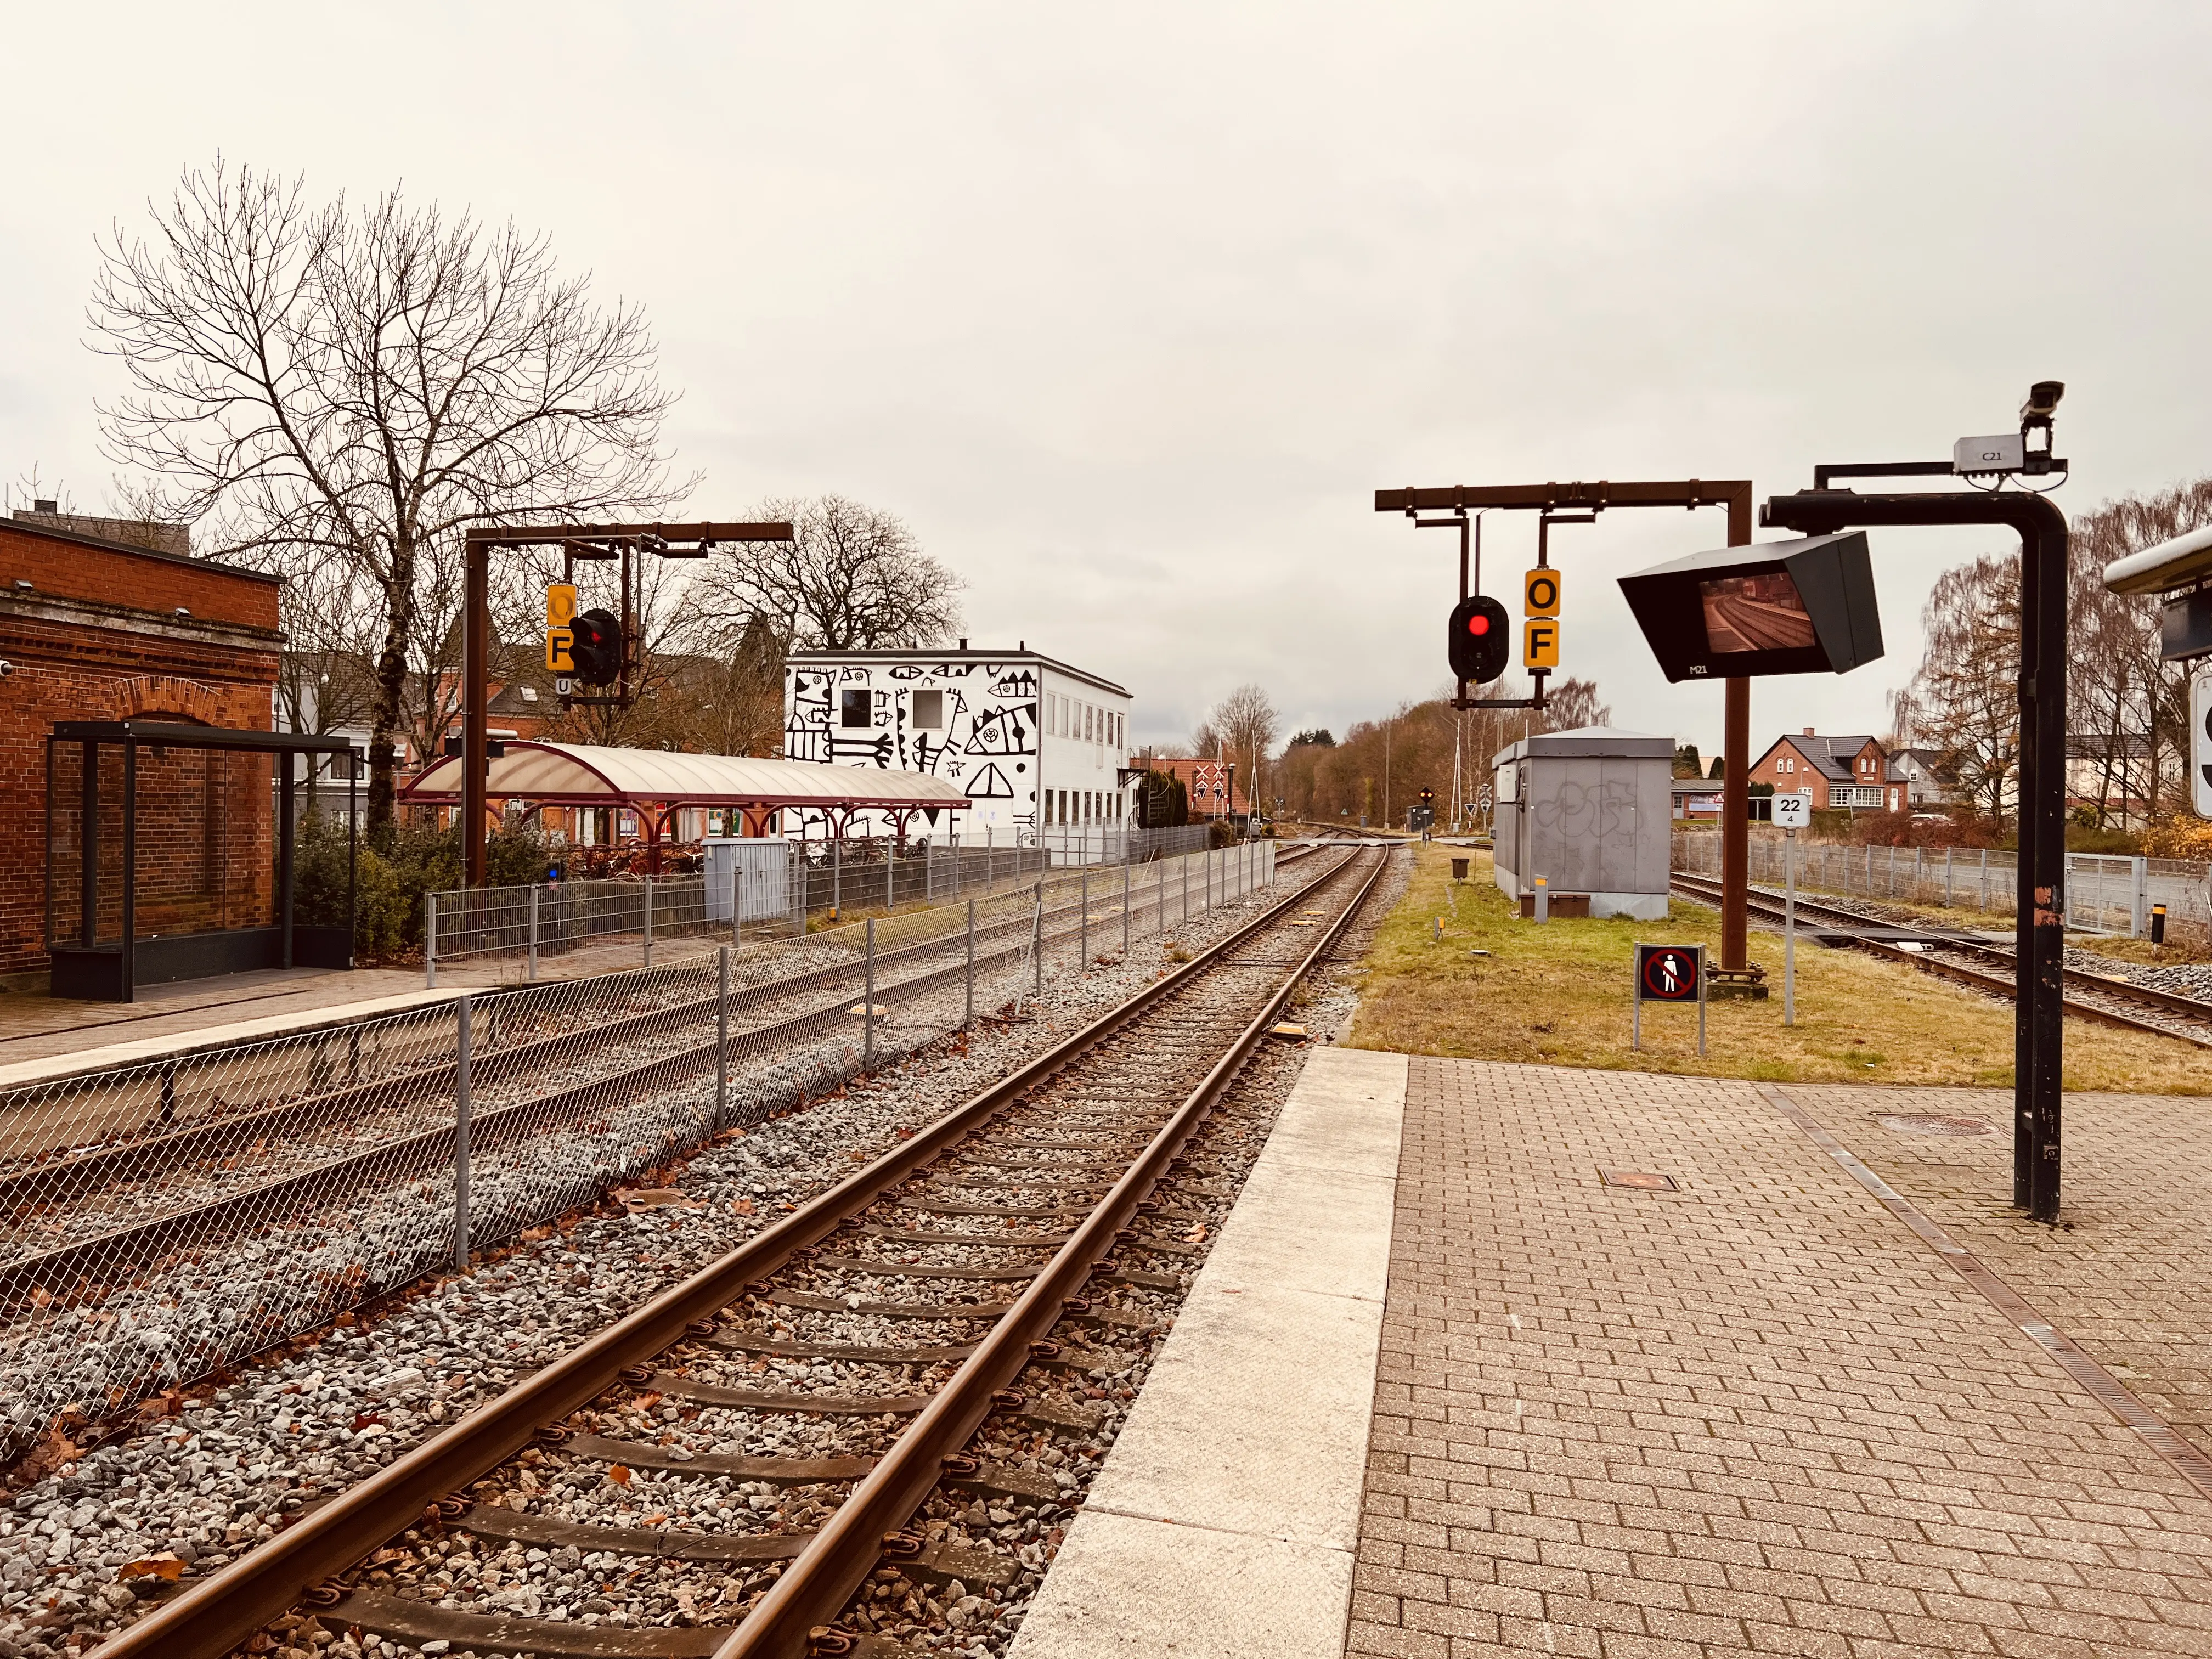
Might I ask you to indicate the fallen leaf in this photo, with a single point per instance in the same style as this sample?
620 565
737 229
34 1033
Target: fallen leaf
1194 1235
742 1206
619 1475
163 1565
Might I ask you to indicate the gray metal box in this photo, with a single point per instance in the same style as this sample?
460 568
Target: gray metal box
1588 811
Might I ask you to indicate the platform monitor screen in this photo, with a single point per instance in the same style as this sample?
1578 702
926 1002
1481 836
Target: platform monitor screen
1755 613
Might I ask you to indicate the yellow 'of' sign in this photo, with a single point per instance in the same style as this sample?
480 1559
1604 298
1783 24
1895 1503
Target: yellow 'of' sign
1539 593
560 604
1539 643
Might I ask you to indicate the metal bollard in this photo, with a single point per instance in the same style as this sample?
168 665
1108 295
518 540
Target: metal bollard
533 932
461 1014
868 1005
722 1043
1125 908
1036 939
430 941
970 1019
2158 923
1083 926
648 921
1186 889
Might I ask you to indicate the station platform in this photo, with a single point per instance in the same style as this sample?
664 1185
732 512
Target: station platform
1509 1359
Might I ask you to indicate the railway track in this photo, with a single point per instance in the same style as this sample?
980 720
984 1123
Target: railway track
797 1403
761 1020
2094 997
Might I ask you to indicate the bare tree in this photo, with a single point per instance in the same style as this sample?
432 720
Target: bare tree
852 577
358 386
1246 722
1963 702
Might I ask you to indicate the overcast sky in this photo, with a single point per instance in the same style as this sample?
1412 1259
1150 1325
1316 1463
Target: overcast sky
1127 310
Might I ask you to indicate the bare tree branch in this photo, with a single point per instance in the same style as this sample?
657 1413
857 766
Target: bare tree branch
357 386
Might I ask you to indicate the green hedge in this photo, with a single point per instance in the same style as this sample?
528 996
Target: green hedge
388 903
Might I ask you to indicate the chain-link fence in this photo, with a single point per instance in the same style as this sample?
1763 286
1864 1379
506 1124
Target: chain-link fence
2105 894
160 1219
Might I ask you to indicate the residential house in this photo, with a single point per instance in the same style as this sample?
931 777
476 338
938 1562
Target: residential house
1835 771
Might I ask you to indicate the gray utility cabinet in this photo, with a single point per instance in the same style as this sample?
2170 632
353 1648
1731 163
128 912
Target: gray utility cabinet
1588 811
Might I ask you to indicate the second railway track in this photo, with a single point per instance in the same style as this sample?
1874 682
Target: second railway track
1015 1241
1969 963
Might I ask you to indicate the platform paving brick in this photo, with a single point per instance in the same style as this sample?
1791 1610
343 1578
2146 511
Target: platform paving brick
1758 1415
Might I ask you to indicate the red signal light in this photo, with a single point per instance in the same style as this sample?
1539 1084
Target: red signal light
1478 623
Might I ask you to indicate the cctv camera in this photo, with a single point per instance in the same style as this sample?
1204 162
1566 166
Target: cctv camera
7 668
2042 403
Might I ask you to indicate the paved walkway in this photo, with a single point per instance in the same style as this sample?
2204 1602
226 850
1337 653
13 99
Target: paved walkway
1761 1413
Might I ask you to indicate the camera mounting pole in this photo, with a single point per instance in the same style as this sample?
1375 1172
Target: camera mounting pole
2039 932
1550 500
605 541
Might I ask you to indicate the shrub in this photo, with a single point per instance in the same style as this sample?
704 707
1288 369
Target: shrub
2178 837
390 880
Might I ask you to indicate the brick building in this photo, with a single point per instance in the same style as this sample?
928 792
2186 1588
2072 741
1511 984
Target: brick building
1215 789
1847 771
94 628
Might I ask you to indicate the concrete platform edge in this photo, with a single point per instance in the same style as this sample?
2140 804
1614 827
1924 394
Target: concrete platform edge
1225 1519
179 1044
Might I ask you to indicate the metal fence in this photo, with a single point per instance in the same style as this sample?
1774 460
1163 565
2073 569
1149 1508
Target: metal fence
161 1220
749 888
2105 893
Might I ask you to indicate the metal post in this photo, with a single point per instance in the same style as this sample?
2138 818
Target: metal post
1186 889
430 941
1160 901
722 1041
2143 897
737 896
1083 927
868 1005
648 921
891 878
837 876
533 931
1790 928
1702 966
1985 903
1946 877
970 1018
461 1011
1036 939
1125 907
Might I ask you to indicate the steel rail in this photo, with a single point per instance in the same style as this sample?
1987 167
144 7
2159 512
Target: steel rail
210 1620
850 1543
59 1270
72 1177
1707 891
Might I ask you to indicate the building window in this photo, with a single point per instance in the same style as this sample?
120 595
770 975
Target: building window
854 707
1088 712
929 711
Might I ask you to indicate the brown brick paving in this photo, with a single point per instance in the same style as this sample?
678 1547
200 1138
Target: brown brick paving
1759 1415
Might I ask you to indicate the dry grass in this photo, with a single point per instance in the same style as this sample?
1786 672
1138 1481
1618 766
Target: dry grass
1558 995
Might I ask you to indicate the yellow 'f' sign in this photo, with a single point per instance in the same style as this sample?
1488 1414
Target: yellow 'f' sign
1539 643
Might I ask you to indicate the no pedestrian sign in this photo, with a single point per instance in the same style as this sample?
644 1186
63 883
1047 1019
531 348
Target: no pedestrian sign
1669 973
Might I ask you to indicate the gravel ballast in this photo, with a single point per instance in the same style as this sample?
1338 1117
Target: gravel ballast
212 1471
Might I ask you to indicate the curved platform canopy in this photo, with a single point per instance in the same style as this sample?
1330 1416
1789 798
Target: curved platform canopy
653 781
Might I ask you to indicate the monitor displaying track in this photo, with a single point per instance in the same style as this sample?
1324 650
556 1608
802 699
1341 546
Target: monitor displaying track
1755 613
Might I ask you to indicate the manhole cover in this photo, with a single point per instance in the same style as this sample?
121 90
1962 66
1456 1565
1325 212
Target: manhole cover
1933 1123
1642 1181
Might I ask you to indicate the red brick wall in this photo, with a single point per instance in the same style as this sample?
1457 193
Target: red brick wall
63 568
206 845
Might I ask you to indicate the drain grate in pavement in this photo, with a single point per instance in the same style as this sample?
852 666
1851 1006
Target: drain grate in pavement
1934 1123
1641 1180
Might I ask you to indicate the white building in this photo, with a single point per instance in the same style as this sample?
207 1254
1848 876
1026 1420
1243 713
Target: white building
1030 739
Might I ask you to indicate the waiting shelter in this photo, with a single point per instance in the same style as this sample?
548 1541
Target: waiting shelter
655 783
163 862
